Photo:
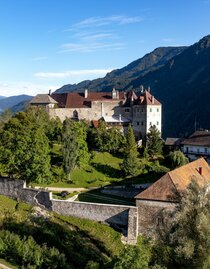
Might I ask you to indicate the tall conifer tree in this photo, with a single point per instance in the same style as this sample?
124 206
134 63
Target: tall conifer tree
130 161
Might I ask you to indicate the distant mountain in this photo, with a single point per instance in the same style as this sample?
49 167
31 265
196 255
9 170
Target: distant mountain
13 101
2 97
122 78
178 77
183 87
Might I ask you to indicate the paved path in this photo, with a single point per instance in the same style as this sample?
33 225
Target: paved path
66 189
2 266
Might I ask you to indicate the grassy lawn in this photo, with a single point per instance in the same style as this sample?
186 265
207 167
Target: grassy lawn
103 170
95 196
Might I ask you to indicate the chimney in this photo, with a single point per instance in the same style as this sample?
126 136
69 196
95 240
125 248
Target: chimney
114 94
142 88
200 170
49 92
153 99
86 93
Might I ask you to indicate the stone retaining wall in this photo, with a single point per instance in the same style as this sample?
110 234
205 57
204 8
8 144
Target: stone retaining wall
126 216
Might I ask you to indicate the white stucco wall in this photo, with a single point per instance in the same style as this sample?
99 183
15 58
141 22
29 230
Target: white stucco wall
154 117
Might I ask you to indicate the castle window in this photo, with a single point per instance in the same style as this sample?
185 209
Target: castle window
127 109
150 123
142 123
137 123
75 114
157 109
206 150
150 110
157 122
142 110
137 110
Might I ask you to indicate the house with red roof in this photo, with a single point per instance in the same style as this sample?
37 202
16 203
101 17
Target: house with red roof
164 193
115 108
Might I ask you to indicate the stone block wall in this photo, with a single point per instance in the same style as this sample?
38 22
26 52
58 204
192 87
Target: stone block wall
100 212
149 215
16 189
126 216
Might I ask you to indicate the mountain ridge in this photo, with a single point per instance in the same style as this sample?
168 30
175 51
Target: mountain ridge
181 82
120 78
13 102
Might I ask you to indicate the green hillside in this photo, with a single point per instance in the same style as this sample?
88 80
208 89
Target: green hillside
79 242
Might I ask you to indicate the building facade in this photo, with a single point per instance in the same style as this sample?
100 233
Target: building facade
197 145
115 108
163 195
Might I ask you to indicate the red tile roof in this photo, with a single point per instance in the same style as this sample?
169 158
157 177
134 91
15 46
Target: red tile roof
78 100
177 181
96 123
148 99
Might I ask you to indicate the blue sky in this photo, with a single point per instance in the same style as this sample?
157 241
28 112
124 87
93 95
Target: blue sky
46 44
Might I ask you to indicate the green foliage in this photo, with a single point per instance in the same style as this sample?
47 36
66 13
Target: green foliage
75 149
177 159
82 242
27 252
5 117
110 140
134 257
70 147
154 142
130 162
80 129
24 147
187 238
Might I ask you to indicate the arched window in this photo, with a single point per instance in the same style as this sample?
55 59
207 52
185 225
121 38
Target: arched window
75 114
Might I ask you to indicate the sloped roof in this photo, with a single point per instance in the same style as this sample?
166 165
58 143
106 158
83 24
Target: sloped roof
172 141
147 99
198 138
177 181
43 99
78 100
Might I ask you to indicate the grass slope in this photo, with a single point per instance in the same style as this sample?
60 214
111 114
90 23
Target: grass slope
80 240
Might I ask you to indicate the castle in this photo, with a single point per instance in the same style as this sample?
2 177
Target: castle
115 108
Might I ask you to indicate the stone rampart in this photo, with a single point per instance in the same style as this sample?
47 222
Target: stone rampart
119 215
17 189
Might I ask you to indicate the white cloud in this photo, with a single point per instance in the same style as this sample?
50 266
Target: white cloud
93 36
101 21
25 87
72 73
89 47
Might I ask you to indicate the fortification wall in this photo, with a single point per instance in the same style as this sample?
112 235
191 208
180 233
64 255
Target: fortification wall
126 216
16 189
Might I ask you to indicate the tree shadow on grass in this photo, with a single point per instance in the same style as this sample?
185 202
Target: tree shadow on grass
77 245
107 170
